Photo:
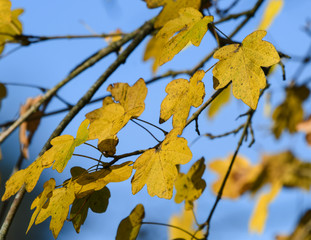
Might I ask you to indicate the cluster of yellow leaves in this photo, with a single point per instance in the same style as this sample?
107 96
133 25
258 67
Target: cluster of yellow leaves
189 27
185 221
276 170
181 95
241 64
290 112
190 186
129 227
9 23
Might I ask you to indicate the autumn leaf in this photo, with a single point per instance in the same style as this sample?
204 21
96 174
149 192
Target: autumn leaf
260 213
190 186
219 102
5 12
96 201
28 126
39 201
290 112
242 175
181 95
191 26
108 146
241 64
170 9
153 51
186 222
95 181
129 227
131 98
82 133
272 9
11 28
57 208
3 91
157 167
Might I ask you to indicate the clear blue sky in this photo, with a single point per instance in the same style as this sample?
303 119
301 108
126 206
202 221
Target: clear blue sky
47 63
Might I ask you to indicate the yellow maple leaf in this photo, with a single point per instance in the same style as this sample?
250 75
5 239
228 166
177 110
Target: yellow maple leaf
272 9
181 95
170 9
241 64
5 11
260 213
157 167
220 101
131 98
11 28
39 201
82 133
153 51
57 207
90 182
190 186
186 222
242 175
290 112
190 26
129 227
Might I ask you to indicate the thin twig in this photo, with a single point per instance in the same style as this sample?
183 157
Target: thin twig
84 156
145 130
235 131
151 124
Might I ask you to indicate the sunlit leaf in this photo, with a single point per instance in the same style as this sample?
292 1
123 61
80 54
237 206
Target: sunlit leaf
170 9
191 26
290 112
153 51
181 95
190 186
5 12
157 167
129 227
186 222
241 64
272 9
82 133
260 213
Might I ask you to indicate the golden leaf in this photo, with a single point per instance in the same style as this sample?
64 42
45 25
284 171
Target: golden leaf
290 112
95 181
186 222
190 186
170 9
181 95
191 26
241 64
260 213
222 99
153 51
272 9
5 12
82 133
129 227
240 179
57 207
157 167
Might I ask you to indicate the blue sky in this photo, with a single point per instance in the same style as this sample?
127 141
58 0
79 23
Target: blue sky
47 63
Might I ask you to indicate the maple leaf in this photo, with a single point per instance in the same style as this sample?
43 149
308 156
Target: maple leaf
108 146
222 99
129 227
241 64
11 28
290 112
191 26
240 179
29 126
272 9
131 98
153 51
39 201
95 181
157 167
3 91
96 201
186 222
181 95
57 207
260 213
82 133
190 186
170 9
5 11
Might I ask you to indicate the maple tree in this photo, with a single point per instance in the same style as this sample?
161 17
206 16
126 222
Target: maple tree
237 68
